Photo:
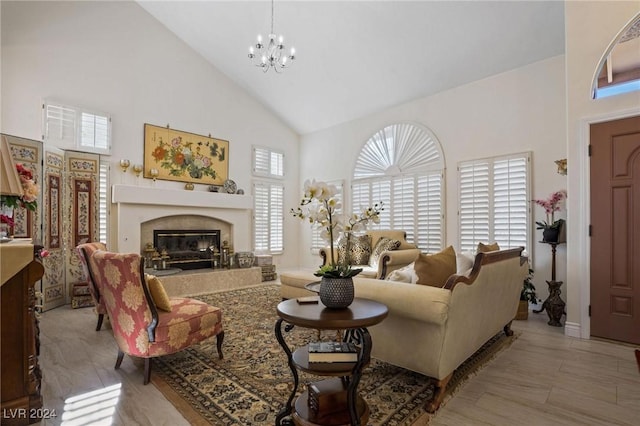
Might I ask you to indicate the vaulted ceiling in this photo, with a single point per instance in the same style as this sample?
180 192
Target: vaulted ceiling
354 58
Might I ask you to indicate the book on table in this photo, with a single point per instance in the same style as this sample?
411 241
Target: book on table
333 352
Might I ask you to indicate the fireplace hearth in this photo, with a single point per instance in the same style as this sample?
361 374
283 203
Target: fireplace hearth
187 248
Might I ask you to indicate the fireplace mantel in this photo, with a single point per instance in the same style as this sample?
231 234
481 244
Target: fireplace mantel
136 205
129 194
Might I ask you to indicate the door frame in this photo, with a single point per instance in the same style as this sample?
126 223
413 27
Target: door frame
582 240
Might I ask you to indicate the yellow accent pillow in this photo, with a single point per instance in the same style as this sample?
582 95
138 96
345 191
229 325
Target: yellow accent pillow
435 269
158 293
484 248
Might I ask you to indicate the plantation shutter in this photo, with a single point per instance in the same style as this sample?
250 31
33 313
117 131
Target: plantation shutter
429 213
59 125
268 162
404 212
261 217
494 196
474 204
268 210
510 206
94 132
276 218
103 202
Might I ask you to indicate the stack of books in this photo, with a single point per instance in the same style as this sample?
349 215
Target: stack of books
328 352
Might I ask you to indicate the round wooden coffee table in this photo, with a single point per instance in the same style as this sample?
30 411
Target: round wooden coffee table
354 320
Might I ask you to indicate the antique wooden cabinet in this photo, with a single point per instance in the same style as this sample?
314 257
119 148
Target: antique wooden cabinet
21 401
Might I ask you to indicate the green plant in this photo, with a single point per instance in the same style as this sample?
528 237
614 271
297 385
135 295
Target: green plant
528 292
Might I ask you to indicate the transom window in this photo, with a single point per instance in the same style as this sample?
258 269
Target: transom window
402 166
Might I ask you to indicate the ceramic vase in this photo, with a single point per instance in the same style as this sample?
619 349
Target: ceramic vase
336 293
550 235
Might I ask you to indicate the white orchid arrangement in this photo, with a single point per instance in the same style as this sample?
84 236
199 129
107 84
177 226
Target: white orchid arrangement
321 206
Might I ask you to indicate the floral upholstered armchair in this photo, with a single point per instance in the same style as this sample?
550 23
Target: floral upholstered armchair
378 252
143 326
84 252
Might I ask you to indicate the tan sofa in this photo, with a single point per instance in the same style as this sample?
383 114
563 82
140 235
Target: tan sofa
389 260
433 330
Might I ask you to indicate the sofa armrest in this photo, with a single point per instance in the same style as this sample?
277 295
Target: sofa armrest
415 301
395 259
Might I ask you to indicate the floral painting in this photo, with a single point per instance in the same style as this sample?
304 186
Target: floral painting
185 157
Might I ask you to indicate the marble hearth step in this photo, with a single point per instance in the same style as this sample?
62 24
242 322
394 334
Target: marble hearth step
200 281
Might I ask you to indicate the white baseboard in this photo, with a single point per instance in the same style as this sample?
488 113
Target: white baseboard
572 329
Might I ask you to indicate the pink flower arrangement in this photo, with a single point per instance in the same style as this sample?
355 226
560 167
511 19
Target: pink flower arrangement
550 206
29 196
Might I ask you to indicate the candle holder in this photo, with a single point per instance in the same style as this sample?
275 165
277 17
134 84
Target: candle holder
154 174
137 169
124 165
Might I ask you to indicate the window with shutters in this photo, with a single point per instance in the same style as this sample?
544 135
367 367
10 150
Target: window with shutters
402 166
494 199
72 127
268 210
268 200
268 162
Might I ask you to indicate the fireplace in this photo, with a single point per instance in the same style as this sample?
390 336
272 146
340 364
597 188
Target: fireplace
187 248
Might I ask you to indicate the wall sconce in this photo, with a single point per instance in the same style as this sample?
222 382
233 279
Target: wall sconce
137 169
562 166
153 173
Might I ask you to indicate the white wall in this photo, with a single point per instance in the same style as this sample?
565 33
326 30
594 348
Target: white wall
590 29
114 57
517 111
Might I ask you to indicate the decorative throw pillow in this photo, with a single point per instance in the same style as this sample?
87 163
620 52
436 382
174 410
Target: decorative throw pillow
484 248
464 262
158 293
404 275
360 249
435 269
383 244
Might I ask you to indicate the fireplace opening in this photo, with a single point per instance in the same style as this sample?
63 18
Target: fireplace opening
187 249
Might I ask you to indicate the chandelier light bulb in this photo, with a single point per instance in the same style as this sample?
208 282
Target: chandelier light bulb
259 38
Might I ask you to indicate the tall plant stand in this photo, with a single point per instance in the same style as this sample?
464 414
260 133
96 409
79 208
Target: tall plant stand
554 305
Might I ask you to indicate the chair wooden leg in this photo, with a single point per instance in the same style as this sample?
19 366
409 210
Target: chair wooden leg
441 385
219 339
147 370
100 319
119 359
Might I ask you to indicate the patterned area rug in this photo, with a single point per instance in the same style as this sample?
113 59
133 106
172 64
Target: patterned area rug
253 381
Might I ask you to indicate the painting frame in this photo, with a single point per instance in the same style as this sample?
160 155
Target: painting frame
182 156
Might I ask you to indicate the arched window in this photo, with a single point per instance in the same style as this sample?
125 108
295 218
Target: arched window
402 165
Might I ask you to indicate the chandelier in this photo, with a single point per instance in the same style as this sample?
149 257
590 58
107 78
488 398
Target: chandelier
271 54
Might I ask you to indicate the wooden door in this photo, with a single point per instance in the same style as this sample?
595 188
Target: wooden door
615 237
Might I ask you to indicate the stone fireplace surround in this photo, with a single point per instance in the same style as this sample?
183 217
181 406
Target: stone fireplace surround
139 209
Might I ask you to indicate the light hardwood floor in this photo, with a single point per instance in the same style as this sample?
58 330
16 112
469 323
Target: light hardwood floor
544 378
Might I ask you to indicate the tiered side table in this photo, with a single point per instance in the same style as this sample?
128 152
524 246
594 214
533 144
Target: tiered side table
360 314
